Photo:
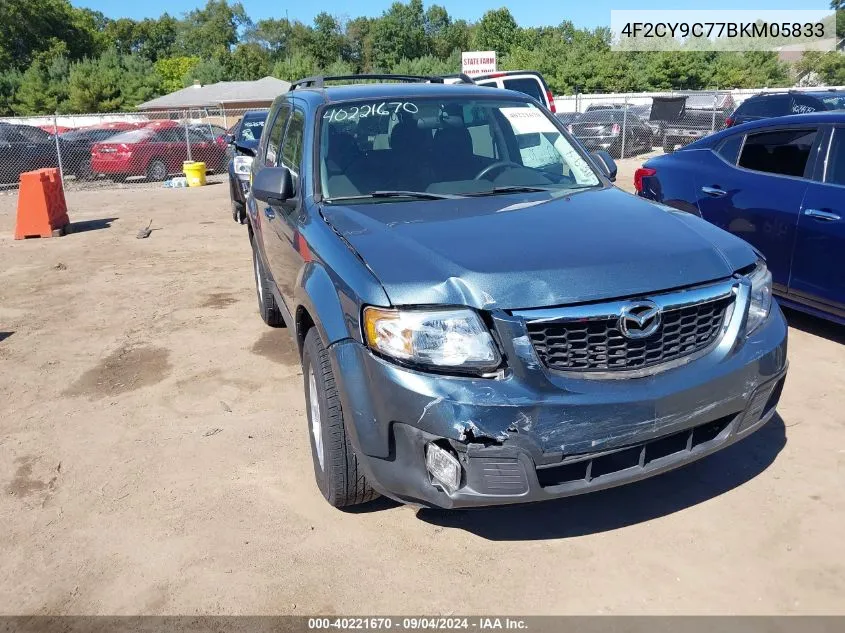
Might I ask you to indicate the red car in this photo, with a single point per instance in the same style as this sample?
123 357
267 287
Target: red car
155 151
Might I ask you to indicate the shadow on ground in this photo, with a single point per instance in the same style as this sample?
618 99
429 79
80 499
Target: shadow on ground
626 505
5 335
91 225
815 325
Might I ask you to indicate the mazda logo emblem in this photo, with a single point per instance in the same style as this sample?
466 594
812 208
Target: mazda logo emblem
639 319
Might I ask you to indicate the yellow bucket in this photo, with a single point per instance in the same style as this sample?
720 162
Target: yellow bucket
194 172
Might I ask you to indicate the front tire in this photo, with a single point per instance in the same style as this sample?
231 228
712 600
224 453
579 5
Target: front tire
336 469
267 307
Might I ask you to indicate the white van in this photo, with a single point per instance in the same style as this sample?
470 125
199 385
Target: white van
529 82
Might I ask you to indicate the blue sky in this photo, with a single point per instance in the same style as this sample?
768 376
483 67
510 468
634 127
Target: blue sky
584 13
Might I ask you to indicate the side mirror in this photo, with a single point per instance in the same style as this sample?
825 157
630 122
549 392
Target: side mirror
243 149
273 185
606 164
228 139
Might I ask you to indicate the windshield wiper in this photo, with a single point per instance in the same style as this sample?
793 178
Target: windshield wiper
511 189
421 195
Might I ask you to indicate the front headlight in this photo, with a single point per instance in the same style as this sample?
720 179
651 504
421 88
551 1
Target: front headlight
447 339
242 165
761 297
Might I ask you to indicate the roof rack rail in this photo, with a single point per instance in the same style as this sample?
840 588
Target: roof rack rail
319 81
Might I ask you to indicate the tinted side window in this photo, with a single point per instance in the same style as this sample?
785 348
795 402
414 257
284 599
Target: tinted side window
274 138
780 105
784 152
292 148
836 158
728 149
526 85
751 107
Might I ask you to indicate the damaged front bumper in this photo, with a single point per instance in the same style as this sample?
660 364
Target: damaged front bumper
534 434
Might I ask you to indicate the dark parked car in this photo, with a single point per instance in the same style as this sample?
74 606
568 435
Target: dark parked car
24 148
243 140
483 317
76 146
603 129
779 184
771 104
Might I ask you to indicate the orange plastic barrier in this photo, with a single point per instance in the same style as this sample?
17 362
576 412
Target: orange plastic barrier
42 211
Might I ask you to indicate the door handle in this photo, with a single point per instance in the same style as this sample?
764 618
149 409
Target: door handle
269 213
714 191
824 216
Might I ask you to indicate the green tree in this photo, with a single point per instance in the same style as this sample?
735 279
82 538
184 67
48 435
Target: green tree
112 83
295 66
339 67
358 48
496 31
28 27
247 62
839 7
139 81
212 29
273 34
207 71
43 88
157 37
399 34
428 65
829 67
123 35
95 84
10 81
326 40
173 71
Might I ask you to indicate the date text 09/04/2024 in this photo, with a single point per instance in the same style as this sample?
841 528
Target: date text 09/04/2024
417 623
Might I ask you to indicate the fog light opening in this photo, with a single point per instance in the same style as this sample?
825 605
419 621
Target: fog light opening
443 467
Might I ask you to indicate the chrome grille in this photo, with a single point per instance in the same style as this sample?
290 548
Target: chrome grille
595 343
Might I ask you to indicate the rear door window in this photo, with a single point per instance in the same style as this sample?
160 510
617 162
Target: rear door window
836 158
784 152
527 85
728 149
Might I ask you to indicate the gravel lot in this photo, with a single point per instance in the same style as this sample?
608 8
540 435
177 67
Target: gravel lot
154 459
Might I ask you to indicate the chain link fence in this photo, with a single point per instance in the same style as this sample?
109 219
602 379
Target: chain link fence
117 149
631 125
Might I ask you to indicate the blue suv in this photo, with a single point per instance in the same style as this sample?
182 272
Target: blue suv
483 318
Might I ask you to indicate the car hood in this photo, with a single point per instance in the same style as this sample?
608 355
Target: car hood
510 252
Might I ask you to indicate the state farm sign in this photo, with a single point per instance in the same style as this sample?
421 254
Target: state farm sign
478 62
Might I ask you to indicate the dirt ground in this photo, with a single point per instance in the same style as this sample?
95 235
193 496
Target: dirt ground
154 459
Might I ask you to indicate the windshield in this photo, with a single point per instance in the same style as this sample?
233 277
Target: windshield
445 146
251 128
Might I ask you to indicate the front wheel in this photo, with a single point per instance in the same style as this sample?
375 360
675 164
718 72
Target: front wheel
339 476
267 308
